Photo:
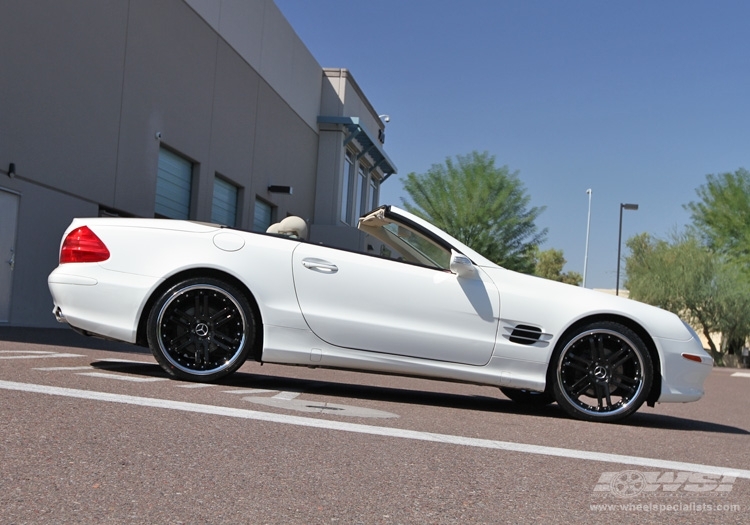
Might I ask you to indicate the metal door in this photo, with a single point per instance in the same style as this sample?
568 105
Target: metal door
8 221
367 303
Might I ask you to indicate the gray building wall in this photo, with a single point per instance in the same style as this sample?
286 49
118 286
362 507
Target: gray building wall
89 85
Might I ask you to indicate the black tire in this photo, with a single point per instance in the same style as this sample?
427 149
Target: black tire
602 372
201 329
527 397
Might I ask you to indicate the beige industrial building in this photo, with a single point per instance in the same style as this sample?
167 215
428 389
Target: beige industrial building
195 109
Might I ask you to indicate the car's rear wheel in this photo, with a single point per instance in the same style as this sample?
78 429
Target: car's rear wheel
527 397
201 329
602 372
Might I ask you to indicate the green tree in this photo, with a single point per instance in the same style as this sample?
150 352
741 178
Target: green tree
677 276
723 213
481 205
550 263
722 216
733 320
685 277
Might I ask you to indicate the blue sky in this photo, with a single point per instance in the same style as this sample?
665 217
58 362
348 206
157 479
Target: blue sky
636 100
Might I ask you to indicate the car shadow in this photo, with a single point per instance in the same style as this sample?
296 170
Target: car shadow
664 422
421 398
345 390
67 337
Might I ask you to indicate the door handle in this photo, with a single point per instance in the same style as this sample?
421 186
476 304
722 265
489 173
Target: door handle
12 260
319 265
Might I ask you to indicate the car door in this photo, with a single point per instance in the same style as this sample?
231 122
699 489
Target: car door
373 304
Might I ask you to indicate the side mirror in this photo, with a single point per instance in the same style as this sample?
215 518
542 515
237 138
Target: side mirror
461 265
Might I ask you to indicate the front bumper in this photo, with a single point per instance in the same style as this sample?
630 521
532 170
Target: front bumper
682 377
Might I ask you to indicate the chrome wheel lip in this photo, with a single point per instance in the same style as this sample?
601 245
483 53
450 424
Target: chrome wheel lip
203 329
601 374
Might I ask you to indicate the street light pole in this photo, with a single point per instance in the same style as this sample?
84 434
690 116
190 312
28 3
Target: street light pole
588 229
619 242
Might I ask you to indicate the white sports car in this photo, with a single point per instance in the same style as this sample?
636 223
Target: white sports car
205 298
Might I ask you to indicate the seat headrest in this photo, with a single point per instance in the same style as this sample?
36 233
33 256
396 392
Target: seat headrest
293 226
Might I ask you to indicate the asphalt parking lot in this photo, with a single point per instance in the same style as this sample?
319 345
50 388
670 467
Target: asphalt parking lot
94 432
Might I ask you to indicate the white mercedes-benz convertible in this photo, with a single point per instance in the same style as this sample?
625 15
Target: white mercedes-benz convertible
205 298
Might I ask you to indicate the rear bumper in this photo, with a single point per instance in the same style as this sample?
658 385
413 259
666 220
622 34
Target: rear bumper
98 301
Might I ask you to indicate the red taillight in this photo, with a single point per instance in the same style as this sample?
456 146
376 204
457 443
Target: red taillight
692 357
82 245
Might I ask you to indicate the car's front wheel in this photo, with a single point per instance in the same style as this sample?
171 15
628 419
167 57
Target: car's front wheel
602 372
201 329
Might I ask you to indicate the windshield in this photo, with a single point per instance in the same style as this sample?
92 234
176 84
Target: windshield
401 242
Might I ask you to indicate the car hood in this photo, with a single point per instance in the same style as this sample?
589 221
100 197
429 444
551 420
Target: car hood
527 298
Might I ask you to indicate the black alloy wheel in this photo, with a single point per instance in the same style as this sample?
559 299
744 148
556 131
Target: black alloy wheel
602 372
201 329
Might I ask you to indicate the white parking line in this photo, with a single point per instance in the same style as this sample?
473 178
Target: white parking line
112 362
318 407
288 401
286 396
26 352
63 368
251 391
34 354
126 361
741 374
374 430
132 379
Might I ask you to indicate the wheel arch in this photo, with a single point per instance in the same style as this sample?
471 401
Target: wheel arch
636 327
141 339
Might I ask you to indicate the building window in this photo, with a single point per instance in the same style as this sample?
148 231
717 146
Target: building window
174 182
347 182
224 207
263 216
